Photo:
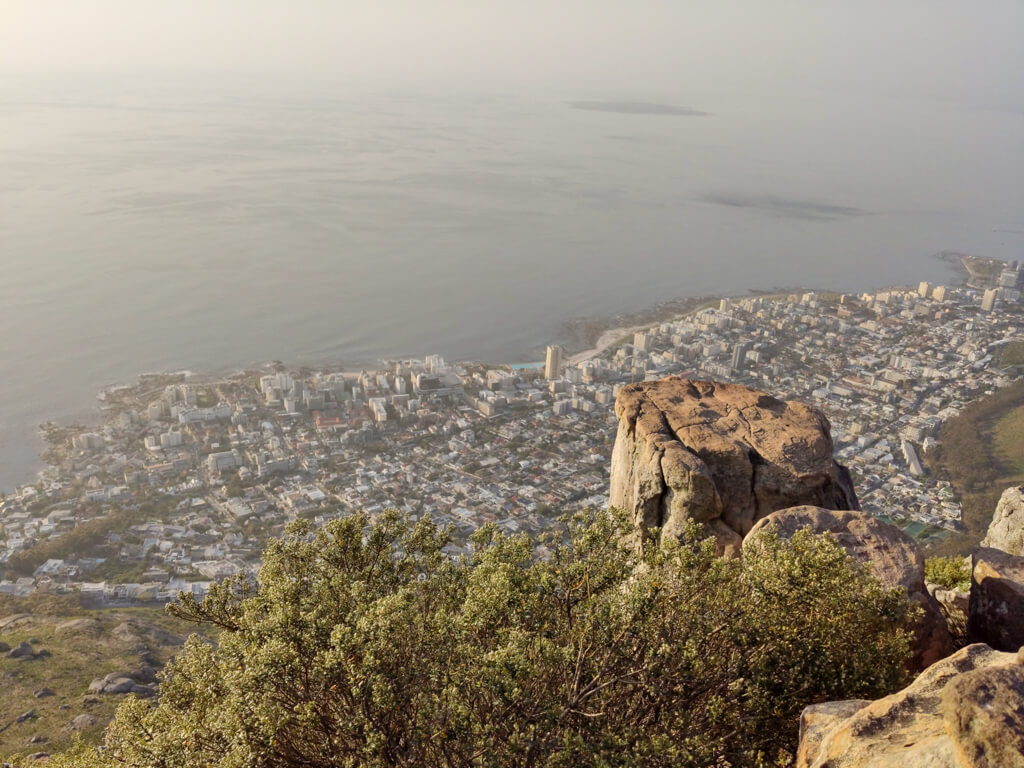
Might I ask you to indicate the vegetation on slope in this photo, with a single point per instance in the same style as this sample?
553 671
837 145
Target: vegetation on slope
981 452
73 646
948 572
365 646
1011 354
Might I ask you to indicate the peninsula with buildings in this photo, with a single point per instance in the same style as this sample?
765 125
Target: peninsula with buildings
187 477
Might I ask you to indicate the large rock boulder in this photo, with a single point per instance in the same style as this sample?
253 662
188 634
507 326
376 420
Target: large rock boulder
120 683
996 605
966 711
1006 531
22 651
892 556
721 454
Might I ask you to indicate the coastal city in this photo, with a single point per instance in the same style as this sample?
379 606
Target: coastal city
188 477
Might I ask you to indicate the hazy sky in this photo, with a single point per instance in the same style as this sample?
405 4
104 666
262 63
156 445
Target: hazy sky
946 48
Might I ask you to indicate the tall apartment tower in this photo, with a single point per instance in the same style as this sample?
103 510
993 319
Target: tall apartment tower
553 364
988 301
739 356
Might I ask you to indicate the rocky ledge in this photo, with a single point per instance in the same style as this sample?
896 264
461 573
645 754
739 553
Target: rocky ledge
966 711
721 454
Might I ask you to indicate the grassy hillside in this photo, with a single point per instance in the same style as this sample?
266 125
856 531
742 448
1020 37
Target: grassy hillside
981 452
73 647
1008 449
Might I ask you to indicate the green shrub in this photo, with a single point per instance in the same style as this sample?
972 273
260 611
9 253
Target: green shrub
365 646
948 572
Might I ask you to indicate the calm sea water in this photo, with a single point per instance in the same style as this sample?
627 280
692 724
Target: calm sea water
161 226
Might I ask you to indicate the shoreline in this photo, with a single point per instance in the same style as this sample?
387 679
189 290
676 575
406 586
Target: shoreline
595 335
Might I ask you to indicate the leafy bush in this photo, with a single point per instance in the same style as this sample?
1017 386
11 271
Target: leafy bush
948 572
365 646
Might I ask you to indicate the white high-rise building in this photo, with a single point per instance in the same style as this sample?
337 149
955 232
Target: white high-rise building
988 301
1010 276
553 363
924 289
939 294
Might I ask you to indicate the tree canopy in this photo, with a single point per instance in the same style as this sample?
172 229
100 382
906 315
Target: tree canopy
365 645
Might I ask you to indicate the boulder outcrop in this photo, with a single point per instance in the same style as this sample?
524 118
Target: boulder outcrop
966 711
954 605
721 454
122 683
892 556
996 605
1006 531
22 651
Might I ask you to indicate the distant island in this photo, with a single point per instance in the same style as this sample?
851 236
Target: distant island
636 108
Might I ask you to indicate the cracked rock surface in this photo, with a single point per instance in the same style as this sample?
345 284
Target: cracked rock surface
721 454
966 711
1006 532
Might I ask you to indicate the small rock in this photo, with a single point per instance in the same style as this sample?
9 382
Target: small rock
44 654
145 674
37 739
82 722
66 706
34 640
25 716
4 647
120 685
42 693
23 651
87 701
39 756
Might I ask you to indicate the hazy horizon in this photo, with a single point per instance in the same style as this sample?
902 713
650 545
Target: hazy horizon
925 48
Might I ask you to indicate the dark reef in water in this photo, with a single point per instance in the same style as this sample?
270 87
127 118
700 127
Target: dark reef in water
636 108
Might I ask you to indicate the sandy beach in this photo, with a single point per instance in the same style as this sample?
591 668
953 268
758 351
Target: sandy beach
605 340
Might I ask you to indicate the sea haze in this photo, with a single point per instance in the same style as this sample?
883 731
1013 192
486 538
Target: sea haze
214 225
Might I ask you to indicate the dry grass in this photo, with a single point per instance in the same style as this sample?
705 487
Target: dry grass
1008 447
1012 354
1003 436
81 648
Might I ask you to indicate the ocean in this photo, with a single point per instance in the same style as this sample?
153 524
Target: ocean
166 225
